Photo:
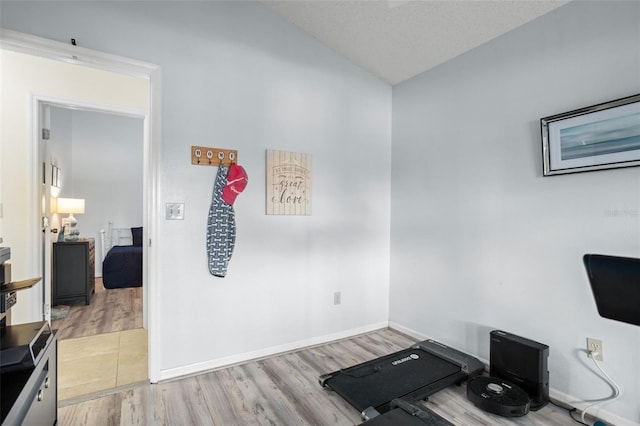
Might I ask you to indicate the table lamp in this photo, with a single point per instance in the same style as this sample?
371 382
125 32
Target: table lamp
71 206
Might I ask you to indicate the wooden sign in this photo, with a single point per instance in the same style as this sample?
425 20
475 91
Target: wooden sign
288 183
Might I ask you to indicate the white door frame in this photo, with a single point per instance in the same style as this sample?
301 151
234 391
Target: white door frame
37 46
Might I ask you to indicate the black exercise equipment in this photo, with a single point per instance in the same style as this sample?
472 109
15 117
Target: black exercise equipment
407 414
411 374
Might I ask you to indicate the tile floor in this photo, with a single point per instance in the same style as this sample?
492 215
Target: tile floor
93 364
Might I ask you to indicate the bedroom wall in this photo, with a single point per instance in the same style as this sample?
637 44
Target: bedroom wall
101 159
60 145
479 239
23 76
235 75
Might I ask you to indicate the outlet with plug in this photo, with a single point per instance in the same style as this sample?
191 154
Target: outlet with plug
594 346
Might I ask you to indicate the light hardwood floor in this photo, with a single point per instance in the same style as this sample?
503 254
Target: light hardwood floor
279 390
110 310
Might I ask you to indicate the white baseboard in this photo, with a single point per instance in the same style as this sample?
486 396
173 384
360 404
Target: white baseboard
419 336
198 368
597 412
555 395
408 331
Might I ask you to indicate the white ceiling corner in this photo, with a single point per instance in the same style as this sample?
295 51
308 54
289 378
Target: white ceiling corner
398 39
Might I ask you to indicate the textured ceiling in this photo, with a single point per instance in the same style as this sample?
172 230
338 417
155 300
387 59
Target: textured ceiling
398 39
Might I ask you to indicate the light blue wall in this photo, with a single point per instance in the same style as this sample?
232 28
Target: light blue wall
100 156
60 147
235 75
107 172
479 239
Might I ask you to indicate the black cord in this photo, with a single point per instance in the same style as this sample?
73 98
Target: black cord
571 411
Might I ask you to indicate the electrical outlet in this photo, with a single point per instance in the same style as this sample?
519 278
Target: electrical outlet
595 345
337 298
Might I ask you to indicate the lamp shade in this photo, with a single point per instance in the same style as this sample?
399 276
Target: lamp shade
70 205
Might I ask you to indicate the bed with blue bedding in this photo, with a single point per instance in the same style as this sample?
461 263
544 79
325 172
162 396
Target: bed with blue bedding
122 265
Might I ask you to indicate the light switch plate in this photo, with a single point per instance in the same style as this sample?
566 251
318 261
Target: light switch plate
175 211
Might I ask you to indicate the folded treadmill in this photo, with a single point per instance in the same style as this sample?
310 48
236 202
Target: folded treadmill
408 375
403 413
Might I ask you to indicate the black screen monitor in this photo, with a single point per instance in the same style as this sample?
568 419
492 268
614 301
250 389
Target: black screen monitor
615 283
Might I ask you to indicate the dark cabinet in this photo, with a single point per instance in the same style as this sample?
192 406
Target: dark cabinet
73 271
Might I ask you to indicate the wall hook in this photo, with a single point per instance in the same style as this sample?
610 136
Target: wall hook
225 156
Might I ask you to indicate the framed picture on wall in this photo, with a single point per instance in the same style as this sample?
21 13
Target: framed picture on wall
603 136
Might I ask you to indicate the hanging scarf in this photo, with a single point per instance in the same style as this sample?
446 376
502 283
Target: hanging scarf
221 227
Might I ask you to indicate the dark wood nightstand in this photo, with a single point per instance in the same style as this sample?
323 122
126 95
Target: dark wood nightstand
73 271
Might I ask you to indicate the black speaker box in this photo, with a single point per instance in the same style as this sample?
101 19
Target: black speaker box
523 362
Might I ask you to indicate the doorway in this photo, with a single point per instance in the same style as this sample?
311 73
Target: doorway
96 158
78 77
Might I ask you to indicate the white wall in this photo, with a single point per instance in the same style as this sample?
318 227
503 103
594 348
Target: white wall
23 77
101 159
60 147
234 75
480 240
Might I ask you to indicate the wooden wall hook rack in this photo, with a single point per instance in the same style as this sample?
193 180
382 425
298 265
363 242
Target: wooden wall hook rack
205 156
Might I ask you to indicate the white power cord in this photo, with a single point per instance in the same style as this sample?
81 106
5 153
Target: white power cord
616 389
